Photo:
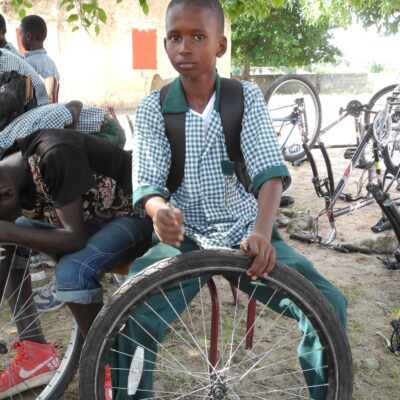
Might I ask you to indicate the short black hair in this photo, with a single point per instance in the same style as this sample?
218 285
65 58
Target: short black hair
3 26
36 26
213 5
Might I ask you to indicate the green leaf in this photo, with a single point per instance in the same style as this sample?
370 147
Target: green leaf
70 7
102 15
72 18
119 1
88 8
22 13
97 29
28 4
144 5
65 2
75 28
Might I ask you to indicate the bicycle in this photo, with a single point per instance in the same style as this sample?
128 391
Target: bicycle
295 110
378 135
59 328
185 367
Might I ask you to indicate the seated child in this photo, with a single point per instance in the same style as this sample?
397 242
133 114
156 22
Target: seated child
212 208
33 30
62 175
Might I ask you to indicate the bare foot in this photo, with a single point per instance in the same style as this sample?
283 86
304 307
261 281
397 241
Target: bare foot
75 108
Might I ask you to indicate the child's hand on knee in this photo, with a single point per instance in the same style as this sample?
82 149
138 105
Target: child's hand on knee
260 250
168 225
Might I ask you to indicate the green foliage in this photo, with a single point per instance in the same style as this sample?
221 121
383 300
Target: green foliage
384 14
80 14
284 38
376 67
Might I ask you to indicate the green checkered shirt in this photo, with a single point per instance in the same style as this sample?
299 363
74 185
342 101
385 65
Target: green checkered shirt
218 211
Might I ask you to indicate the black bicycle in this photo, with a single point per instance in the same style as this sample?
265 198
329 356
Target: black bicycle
378 142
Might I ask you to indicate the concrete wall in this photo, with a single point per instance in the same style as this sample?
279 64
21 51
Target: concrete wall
98 69
338 83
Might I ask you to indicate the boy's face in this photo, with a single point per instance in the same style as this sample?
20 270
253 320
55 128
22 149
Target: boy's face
194 40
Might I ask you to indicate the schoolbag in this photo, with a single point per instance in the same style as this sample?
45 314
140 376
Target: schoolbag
231 112
16 96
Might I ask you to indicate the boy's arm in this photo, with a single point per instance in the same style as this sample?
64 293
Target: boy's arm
257 245
67 238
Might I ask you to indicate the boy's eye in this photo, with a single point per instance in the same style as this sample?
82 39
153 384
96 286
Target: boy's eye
174 38
198 36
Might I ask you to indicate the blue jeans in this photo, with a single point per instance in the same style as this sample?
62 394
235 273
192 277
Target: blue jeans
108 243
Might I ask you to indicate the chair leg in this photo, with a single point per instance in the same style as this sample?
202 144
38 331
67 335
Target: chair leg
215 313
251 316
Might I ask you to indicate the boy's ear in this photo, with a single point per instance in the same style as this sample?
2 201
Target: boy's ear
222 46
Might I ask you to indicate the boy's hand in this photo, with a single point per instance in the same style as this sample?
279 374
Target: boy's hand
168 227
258 248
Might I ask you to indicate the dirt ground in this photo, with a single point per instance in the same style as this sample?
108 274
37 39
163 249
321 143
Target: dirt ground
371 288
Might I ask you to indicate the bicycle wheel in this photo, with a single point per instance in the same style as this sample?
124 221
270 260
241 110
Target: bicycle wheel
295 110
390 152
59 328
254 360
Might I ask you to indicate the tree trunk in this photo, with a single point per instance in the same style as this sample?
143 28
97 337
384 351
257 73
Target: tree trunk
246 71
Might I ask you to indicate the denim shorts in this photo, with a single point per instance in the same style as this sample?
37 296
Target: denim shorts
108 243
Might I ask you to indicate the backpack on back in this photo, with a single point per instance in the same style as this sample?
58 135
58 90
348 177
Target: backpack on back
231 112
16 96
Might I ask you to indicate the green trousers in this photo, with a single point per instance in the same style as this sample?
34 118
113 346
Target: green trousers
310 356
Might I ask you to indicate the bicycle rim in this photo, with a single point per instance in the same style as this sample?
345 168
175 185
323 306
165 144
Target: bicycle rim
58 326
391 152
295 110
186 367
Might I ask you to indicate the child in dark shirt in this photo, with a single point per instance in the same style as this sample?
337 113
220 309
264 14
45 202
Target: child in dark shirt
62 176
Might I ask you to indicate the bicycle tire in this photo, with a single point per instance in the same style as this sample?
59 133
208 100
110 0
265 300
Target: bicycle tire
111 322
291 134
64 335
391 152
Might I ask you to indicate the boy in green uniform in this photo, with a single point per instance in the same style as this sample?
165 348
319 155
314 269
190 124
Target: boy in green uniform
211 207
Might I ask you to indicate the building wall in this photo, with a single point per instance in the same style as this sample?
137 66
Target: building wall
99 69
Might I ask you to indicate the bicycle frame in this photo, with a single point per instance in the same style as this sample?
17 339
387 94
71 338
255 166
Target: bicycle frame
325 188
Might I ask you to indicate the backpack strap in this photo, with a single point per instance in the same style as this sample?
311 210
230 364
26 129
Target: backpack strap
231 107
175 132
231 110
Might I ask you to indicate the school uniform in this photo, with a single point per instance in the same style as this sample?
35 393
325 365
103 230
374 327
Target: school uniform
42 63
93 120
10 61
218 212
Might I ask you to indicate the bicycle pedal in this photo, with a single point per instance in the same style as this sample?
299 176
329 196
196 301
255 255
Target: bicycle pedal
349 153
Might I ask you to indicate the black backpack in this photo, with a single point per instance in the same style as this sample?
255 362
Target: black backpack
231 112
13 93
